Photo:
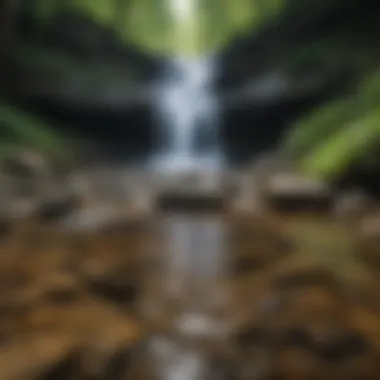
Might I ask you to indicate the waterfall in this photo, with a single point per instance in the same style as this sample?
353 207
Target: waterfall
186 104
187 110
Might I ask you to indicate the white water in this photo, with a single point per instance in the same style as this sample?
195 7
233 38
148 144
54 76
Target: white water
186 104
195 262
188 113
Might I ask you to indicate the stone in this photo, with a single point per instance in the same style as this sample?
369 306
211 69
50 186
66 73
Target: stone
293 192
119 292
58 206
191 202
303 276
370 226
334 343
247 198
271 163
5 219
25 164
352 206
368 248
33 356
5 226
193 192
252 335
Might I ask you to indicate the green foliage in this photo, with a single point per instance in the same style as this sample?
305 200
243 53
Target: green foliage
341 133
344 147
18 128
149 23
317 126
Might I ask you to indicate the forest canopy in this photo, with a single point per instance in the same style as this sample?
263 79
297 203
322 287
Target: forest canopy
150 23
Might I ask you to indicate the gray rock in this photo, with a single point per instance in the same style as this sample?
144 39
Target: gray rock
294 192
193 192
352 205
57 206
186 201
25 164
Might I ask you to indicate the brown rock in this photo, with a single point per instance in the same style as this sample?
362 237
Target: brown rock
299 364
34 355
370 226
292 274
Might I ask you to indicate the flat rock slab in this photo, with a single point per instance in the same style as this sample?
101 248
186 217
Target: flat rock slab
294 193
191 201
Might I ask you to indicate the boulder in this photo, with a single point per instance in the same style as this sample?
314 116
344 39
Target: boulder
193 192
25 164
352 206
292 192
57 206
271 163
370 226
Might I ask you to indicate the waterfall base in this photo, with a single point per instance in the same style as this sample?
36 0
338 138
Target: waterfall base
192 201
181 163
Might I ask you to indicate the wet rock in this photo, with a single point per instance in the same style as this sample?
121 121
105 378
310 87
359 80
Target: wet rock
368 247
106 220
196 201
293 192
252 336
370 226
102 366
352 206
5 225
300 364
65 369
193 192
57 207
302 276
259 254
61 290
122 292
34 355
25 164
110 339
247 198
248 264
369 253
333 344
271 163
297 336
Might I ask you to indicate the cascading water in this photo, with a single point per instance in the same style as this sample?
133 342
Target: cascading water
186 103
188 110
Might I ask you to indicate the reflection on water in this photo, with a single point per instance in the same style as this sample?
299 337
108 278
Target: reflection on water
195 254
195 262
